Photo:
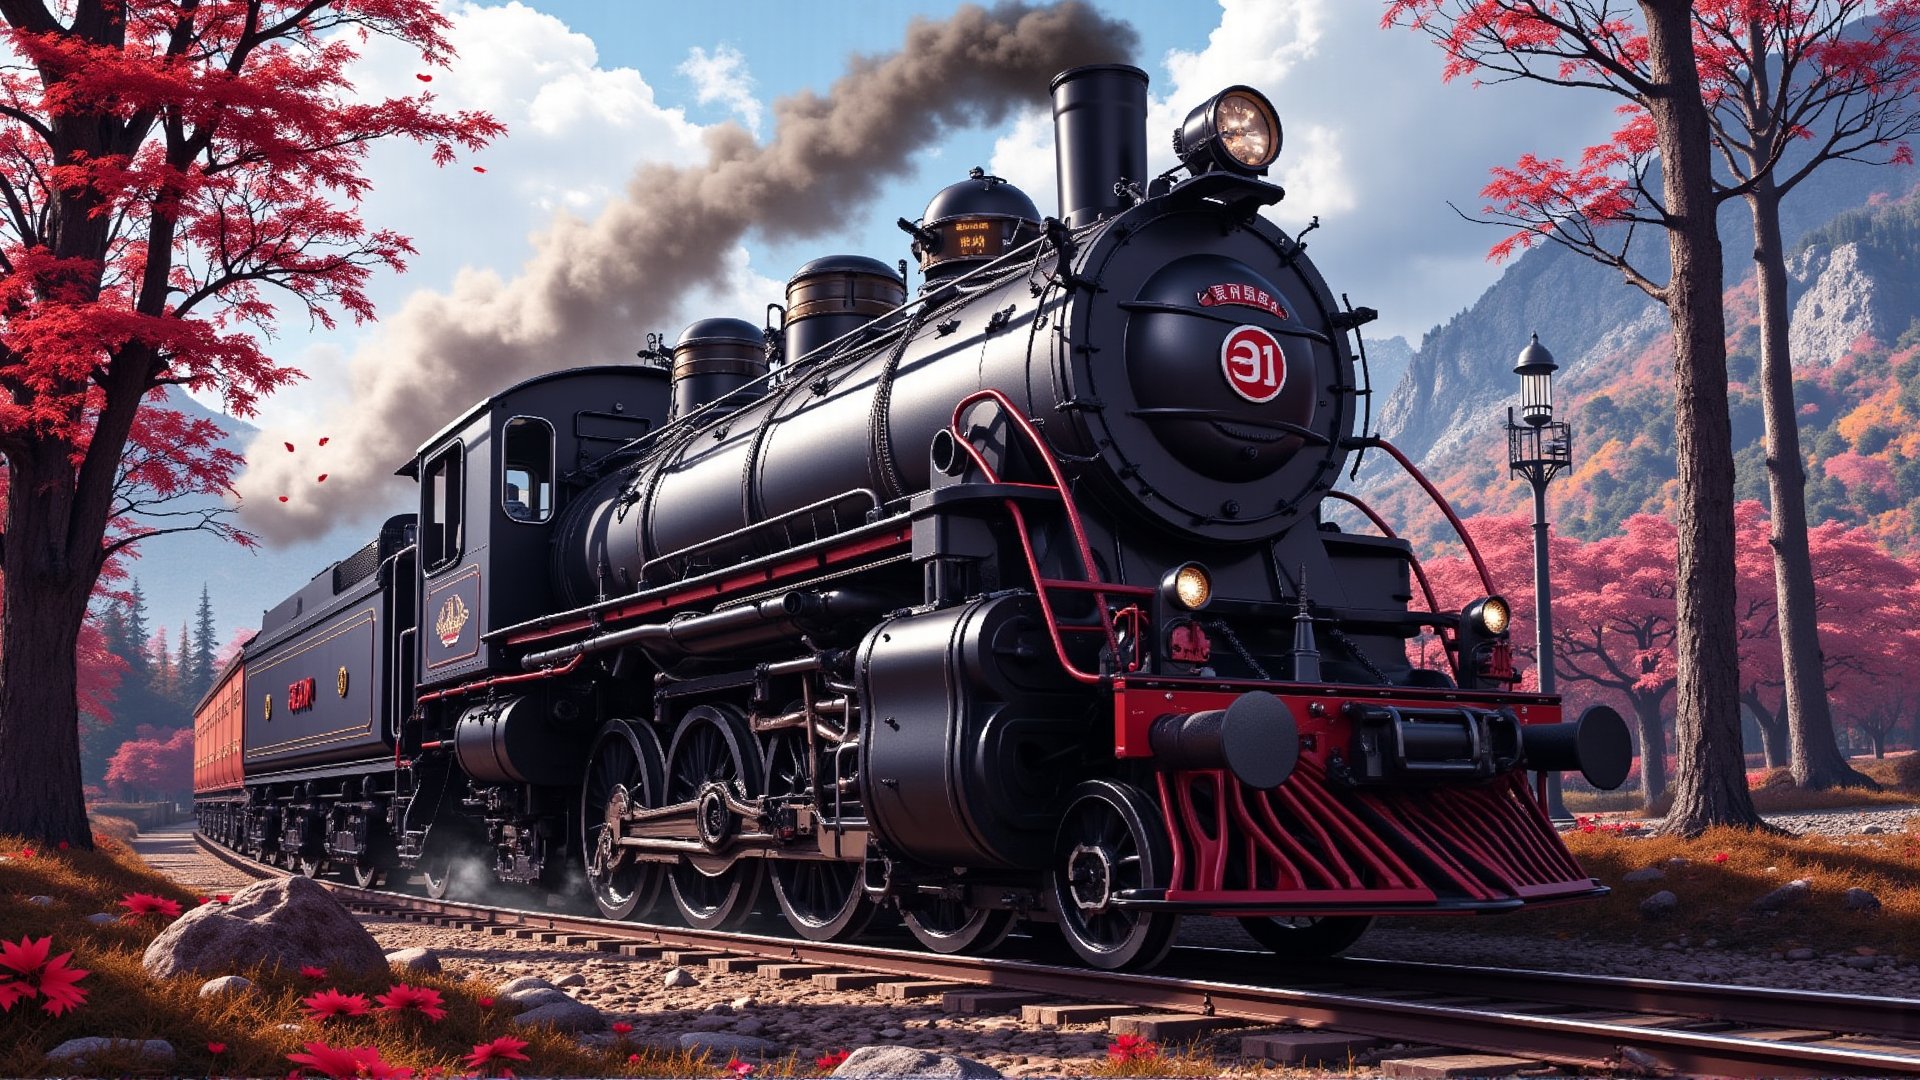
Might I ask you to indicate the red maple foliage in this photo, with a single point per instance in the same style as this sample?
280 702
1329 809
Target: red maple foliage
154 763
345 1062
29 972
141 904
169 173
332 1004
501 1049
405 1000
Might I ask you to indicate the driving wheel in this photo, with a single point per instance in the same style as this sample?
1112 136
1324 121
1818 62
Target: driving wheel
712 757
823 899
1307 937
623 772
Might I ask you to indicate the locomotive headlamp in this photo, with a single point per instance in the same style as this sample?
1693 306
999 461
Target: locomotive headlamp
1189 586
1236 130
1489 615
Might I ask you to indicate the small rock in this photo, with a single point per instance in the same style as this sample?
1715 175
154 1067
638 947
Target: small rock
747 1002
575 979
416 961
750 1026
1651 873
77 1051
900 1061
1659 905
1793 892
46 901
536 997
680 977
1861 900
1800 954
523 982
566 1015
225 984
1873 830
710 1022
725 1042
102 918
1864 963
891 1033
1679 860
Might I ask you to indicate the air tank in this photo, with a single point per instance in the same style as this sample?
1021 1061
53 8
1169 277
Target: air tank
717 360
831 297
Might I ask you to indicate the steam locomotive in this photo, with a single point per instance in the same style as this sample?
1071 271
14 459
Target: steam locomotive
1013 600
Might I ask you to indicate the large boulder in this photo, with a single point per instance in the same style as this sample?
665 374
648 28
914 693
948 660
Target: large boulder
289 922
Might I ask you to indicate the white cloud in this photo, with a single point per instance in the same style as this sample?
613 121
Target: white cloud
722 77
1375 145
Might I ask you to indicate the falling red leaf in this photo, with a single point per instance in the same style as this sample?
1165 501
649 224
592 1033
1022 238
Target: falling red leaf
216 1048
478 168
323 439
321 479
424 78
289 447
283 498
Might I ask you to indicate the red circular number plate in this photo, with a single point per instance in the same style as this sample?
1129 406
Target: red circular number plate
1253 363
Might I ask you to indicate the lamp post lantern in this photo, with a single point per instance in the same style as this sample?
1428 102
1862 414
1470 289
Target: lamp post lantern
1538 448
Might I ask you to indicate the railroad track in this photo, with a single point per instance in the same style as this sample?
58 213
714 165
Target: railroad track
1612 1024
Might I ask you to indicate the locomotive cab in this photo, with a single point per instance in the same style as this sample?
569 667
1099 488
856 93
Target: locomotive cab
493 486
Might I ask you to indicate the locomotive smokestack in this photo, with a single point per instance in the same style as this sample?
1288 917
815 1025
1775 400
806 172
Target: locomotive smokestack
1099 138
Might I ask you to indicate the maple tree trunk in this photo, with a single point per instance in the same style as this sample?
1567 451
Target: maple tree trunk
46 601
1653 747
1711 786
1773 731
1816 758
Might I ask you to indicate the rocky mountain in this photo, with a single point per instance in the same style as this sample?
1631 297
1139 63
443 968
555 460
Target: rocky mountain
1855 289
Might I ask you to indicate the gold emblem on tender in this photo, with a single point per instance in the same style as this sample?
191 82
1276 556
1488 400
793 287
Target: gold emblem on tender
452 618
269 714
340 682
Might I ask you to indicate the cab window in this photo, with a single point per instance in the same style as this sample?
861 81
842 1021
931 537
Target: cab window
441 540
526 475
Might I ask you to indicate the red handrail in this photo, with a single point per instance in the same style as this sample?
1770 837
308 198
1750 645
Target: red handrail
1041 585
1479 564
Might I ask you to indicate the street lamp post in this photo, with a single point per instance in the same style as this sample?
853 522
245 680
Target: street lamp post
1538 448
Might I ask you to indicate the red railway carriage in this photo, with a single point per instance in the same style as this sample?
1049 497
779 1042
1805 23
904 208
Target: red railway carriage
217 779
1013 601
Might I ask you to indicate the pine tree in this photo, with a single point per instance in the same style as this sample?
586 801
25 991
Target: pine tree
163 681
135 640
200 669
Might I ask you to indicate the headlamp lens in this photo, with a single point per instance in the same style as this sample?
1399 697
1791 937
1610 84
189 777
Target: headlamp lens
1247 128
1192 588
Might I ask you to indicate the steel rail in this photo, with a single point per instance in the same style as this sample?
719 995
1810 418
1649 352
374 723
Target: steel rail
1590 1042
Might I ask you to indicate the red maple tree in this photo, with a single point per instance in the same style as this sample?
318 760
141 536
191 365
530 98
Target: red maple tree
169 169
154 764
1646 60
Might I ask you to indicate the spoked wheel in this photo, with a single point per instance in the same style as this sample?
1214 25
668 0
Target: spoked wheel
1303 938
369 877
312 866
712 755
622 772
823 900
1110 842
956 927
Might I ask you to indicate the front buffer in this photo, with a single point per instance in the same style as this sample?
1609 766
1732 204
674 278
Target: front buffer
1400 801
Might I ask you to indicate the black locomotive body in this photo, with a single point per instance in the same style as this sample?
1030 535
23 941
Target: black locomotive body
1015 600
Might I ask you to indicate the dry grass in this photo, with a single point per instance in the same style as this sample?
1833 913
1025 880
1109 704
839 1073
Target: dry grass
1774 792
1725 871
261 1026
